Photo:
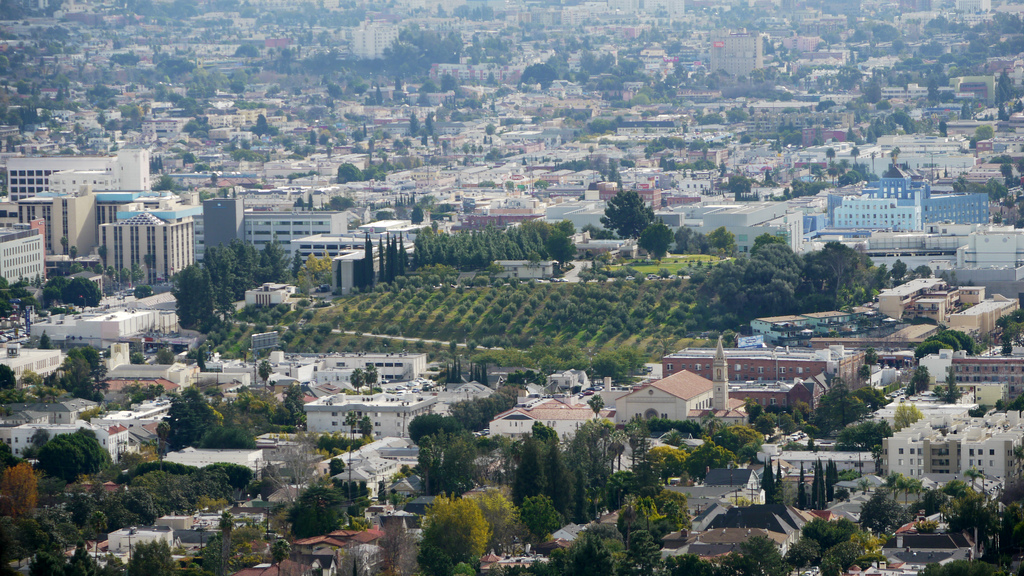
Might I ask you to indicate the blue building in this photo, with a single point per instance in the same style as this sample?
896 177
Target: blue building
900 202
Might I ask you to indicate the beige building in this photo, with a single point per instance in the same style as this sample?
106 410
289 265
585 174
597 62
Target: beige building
985 444
161 247
930 297
737 53
981 318
71 217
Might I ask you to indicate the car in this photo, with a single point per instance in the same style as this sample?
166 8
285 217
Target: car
630 278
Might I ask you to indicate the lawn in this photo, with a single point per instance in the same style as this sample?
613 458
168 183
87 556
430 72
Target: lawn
671 263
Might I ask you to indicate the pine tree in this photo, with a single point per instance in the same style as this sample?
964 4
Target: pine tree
801 492
768 483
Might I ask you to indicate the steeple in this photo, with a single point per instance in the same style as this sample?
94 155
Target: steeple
720 382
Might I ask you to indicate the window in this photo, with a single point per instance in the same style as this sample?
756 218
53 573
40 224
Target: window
901 450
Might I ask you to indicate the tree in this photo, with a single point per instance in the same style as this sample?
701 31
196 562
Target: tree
265 371
766 240
316 512
882 514
708 455
919 381
431 424
503 518
984 132
589 556
540 517
906 414
656 239
69 456
81 292
193 291
349 173
8 381
151 559
723 241
643 556
164 356
417 215
18 490
627 214
190 418
456 528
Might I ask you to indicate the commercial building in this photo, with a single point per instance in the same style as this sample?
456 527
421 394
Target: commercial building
903 202
42 362
981 318
737 53
22 253
224 220
984 444
101 329
993 247
228 215
389 414
202 457
161 247
798 329
771 365
128 170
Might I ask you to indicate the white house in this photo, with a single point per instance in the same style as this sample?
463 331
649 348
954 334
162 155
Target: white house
202 457
390 414
564 415
123 540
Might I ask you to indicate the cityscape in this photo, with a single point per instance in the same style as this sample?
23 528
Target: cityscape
511 288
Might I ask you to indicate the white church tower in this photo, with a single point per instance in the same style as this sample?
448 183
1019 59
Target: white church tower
720 383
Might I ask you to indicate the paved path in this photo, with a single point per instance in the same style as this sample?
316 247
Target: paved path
410 339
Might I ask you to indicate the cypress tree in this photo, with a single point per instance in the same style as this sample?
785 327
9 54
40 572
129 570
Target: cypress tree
801 491
392 256
768 483
367 279
381 256
402 256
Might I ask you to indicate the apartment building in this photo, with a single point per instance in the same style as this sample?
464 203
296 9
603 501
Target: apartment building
160 247
371 39
930 297
737 53
390 414
985 444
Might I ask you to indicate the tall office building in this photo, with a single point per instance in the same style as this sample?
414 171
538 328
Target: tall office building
737 53
21 253
159 246
371 39
29 176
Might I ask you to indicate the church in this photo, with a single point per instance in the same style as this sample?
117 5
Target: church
685 396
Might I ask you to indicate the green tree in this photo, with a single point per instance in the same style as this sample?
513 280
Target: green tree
765 240
656 239
882 514
589 556
417 214
165 356
722 240
349 173
456 528
643 556
81 292
316 512
708 455
190 417
627 214
151 559
193 291
540 517
69 456
8 381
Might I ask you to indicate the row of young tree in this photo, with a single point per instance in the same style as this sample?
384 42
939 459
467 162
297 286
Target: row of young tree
534 240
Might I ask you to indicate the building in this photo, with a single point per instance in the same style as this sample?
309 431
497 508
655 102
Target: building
23 253
737 53
262 228
771 365
113 439
903 202
128 170
526 269
1007 371
798 329
202 457
101 329
862 462
929 297
269 294
229 216
389 414
371 39
981 318
161 247
564 415
124 540
42 362
985 444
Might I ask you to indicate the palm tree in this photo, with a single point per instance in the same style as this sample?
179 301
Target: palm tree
98 523
163 430
863 485
227 523
895 154
617 446
911 485
873 154
855 152
710 424
974 474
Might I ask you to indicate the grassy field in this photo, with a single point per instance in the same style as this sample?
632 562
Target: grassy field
672 264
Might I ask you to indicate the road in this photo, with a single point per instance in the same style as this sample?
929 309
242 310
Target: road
574 274
410 339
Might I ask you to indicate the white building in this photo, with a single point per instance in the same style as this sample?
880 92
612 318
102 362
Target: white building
262 228
202 457
22 253
269 294
129 170
371 39
113 439
389 414
123 540
565 416
985 444
526 269
862 462
42 362
973 6
103 329
141 415
336 368
376 462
